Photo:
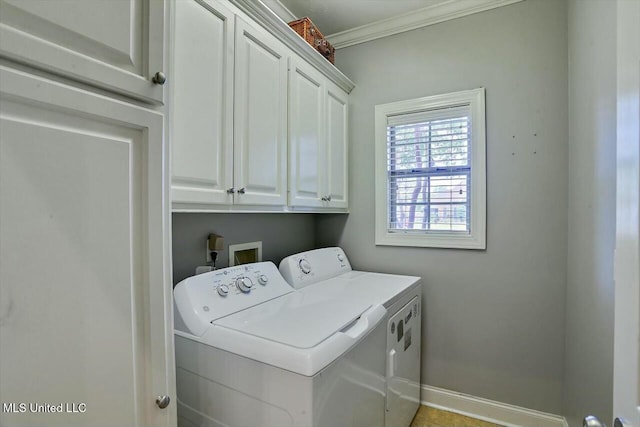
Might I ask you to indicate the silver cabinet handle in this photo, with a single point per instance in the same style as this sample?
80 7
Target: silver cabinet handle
591 421
241 191
619 422
163 401
231 190
159 78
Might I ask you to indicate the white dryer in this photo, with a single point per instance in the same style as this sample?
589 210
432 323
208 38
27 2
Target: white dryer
329 269
252 351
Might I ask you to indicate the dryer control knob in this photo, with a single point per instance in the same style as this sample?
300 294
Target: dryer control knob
223 290
262 279
304 265
244 284
340 257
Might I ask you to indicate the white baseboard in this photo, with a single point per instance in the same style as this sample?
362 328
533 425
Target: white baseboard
488 410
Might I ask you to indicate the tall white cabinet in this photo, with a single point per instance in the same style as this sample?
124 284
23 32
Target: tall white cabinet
85 287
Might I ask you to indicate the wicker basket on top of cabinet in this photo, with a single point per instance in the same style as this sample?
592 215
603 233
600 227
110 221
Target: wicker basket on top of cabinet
308 31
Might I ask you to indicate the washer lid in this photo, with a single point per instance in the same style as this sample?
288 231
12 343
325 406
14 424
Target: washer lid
377 288
301 320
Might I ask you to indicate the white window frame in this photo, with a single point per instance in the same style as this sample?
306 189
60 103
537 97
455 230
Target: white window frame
476 239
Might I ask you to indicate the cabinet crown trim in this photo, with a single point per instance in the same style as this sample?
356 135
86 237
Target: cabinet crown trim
276 26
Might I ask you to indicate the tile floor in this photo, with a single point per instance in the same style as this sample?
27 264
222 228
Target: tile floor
430 417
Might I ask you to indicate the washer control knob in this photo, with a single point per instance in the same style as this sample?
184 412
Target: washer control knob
223 290
304 265
262 279
244 284
340 257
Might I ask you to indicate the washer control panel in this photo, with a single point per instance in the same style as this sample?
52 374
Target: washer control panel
206 297
309 267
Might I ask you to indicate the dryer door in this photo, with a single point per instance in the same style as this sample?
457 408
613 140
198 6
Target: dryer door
403 365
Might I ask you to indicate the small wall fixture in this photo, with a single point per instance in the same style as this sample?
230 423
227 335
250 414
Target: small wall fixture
215 244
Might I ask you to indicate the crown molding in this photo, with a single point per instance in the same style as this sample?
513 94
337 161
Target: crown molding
450 9
260 13
281 10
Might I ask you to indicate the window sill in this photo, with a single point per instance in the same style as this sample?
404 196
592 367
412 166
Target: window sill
441 240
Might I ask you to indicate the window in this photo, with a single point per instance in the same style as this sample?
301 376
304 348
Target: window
430 171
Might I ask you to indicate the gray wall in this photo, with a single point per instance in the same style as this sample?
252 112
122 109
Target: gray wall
592 133
494 319
281 235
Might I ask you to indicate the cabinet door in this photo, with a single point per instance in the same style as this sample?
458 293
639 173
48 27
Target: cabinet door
116 45
260 136
306 135
85 292
202 103
337 148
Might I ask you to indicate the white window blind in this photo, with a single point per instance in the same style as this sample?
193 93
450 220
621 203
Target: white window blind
429 170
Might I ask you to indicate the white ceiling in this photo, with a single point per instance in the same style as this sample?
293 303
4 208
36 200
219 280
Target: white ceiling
334 16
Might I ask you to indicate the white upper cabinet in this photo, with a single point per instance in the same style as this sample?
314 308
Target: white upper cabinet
202 103
307 144
337 147
254 125
229 128
83 183
317 140
260 106
115 45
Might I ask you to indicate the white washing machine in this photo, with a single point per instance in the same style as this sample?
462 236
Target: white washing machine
329 269
252 351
